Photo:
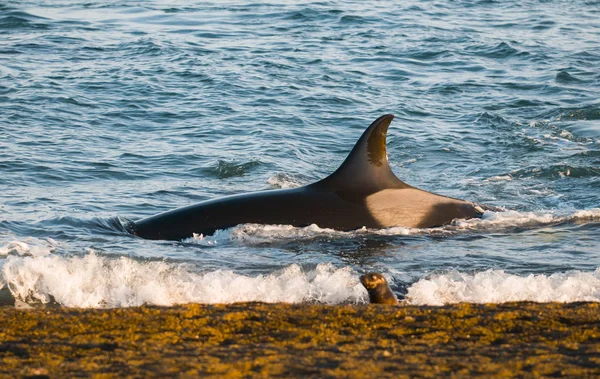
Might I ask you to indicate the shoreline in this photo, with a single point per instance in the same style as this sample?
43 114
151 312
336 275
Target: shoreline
299 340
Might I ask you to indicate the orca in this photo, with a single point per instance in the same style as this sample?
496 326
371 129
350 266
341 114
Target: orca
362 192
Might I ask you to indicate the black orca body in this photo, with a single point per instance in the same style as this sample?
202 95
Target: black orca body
363 192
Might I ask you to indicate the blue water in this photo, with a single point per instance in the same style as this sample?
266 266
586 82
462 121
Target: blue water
113 111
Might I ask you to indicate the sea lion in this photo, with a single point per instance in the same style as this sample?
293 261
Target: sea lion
378 289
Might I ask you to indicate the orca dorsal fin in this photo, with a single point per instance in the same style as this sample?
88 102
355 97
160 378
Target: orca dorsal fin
366 169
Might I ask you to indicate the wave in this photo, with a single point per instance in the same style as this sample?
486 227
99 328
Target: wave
15 20
30 247
37 270
252 234
588 113
223 169
554 171
497 286
284 181
93 281
501 50
512 219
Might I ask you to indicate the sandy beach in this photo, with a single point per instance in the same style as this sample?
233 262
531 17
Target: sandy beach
286 340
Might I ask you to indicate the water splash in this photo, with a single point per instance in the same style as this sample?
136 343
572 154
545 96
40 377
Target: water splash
497 286
93 281
30 247
253 234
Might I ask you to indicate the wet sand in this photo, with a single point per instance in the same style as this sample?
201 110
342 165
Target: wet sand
286 340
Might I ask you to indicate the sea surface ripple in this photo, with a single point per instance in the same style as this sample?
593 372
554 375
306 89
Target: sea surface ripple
112 111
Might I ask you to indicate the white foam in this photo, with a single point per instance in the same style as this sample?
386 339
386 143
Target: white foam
94 281
566 134
499 178
30 246
586 215
220 237
500 220
283 181
257 234
496 286
510 219
250 234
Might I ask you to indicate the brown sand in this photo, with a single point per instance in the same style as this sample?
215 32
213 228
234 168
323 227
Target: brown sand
269 340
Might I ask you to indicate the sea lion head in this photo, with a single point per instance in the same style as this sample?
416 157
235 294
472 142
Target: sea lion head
378 289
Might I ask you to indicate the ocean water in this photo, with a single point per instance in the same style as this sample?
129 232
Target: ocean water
113 111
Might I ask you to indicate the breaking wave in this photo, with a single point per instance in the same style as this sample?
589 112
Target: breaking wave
497 286
94 281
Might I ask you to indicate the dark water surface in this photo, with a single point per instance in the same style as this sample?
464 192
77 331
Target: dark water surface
114 110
